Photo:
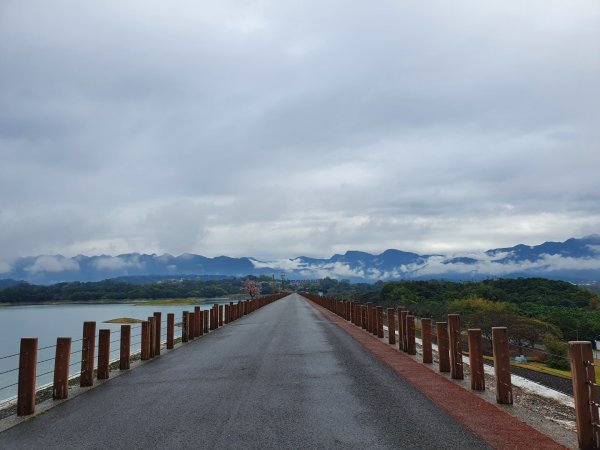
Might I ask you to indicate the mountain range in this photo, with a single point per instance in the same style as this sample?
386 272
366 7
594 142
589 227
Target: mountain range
576 260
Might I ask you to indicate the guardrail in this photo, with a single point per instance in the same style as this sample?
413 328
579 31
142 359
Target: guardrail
97 358
449 341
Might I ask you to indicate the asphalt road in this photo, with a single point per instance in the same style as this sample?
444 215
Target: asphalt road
282 377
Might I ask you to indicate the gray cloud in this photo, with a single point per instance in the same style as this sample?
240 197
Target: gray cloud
278 129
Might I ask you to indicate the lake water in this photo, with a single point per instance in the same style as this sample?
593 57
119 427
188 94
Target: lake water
47 322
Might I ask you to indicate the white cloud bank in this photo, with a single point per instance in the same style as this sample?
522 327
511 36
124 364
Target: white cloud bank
296 128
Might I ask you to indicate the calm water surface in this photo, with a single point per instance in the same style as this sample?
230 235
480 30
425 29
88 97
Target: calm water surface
48 322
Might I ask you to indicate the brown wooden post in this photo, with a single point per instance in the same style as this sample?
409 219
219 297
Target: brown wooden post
185 326
455 347
369 317
205 320
125 349
502 365
364 317
197 319
27 372
145 346
152 328
170 330
411 347
88 350
157 337
374 320
441 329
62 359
191 330
476 360
391 316
404 340
426 340
103 354
380 322
583 373
220 307
226 319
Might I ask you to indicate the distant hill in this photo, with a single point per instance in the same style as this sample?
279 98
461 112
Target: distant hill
9 283
575 260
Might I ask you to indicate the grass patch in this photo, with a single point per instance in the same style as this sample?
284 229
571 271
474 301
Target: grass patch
123 320
542 368
173 301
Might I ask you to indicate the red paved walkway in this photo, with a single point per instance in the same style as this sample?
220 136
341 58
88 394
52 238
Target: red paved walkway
497 428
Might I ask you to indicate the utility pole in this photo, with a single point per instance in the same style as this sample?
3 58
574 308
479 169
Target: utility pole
273 285
283 281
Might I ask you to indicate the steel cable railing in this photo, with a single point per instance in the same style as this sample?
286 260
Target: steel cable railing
44 369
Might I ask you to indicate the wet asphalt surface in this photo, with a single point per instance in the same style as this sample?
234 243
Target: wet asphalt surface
282 377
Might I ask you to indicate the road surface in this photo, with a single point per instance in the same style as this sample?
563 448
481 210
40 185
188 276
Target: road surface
281 377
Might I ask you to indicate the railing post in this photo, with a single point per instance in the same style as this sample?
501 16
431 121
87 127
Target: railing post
220 309
157 324
426 340
455 346
441 329
502 366
192 328
364 316
103 354
411 347
197 315
185 326
88 350
583 373
400 329
170 330
380 322
476 360
391 316
27 371
205 321
370 317
145 350
152 329
226 320
125 348
403 335
62 359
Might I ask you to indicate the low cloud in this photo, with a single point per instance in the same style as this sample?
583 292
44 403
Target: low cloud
52 264
115 263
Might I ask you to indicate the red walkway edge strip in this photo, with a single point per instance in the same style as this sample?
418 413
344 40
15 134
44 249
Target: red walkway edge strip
497 428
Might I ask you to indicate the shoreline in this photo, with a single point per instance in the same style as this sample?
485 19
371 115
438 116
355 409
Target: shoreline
136 302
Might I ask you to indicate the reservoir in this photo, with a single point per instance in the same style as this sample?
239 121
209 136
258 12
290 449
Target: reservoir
47 322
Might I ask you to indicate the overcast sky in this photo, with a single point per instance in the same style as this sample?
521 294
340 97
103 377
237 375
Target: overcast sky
286 128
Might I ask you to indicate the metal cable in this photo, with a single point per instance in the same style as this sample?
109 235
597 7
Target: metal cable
8 371
47 347
9 356
45 360
10 385
45 373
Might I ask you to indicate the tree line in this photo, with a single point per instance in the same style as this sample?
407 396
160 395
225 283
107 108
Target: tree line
24 293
